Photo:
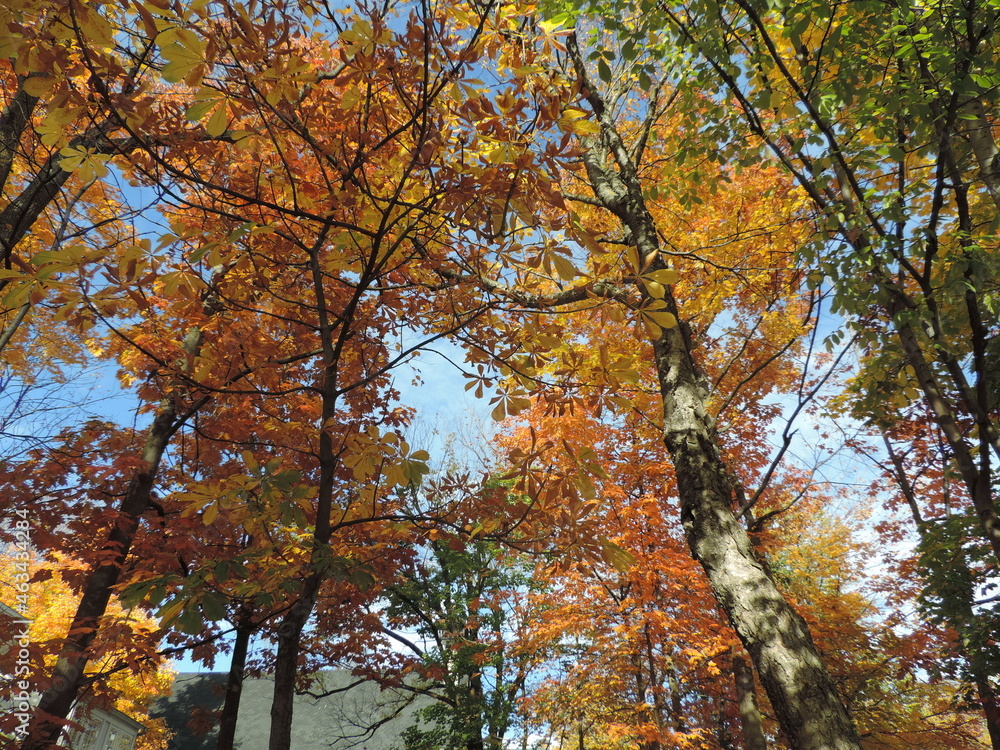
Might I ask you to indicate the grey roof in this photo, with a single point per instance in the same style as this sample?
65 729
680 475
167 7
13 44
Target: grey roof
357 715
12 613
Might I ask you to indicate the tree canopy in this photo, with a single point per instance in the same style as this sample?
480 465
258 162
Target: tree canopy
693 258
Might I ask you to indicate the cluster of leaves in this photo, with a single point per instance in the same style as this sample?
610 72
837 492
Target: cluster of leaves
127 679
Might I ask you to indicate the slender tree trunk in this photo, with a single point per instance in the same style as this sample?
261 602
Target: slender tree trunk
722 734
234 684
676 702
290 630
746 703
67 677
478 708
977 481
286 665
656 684
805 700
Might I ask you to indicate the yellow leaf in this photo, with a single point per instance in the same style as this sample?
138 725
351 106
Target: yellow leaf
620 559
94 26
663 276
582 127
200 108
662 319
548 341
632 256
551 25
250 461
38 85
564 267
211 513
654 288
628 376
182 62
586 487
219 121
350 98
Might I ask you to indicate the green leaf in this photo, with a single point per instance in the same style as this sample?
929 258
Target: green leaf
214 606
604 71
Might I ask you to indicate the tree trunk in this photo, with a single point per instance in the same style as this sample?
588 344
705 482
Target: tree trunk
746 703
991 710
234 684
808 707
290 631
286 665
67 677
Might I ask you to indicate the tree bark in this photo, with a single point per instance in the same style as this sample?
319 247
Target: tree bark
805 700
286 665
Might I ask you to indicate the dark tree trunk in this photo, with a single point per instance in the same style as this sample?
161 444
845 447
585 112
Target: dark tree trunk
286 665
290 630
234 684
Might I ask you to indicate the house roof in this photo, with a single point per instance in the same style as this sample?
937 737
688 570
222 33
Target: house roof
11 613
355 714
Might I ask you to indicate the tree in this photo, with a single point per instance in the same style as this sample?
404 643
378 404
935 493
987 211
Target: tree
949 573
460 606
644 661
266 312
897 156
772 632
335 181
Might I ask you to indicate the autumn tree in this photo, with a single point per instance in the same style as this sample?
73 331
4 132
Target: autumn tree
337 188
314 209
773 633
897 156
643 660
